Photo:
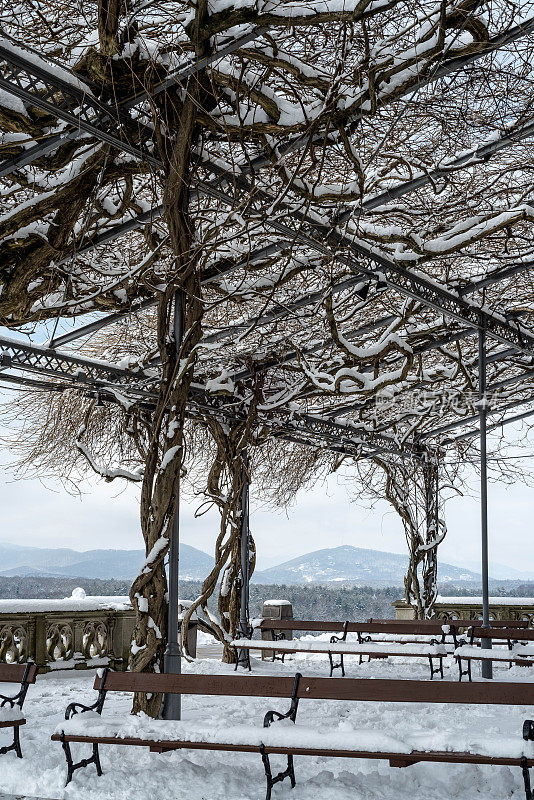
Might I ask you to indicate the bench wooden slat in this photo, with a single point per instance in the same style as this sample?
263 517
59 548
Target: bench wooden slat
404 759
353 627
520 635
13 673
385 690
218 685
460 623
393 649
13 723
418 627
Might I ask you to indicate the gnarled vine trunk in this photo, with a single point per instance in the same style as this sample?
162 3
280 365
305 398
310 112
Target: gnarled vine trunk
164 454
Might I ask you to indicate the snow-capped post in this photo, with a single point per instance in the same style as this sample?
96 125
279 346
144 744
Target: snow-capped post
487 667
244 615
172 703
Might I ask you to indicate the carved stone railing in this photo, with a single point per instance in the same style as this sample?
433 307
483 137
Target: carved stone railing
517 608
76 633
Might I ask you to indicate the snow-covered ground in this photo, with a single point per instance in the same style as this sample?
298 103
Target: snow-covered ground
195 775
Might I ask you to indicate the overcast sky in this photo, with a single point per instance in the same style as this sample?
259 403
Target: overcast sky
107 516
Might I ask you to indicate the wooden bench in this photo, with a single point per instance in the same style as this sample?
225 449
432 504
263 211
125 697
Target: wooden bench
338 646
429 632
162 735
469 654
11 715
515 639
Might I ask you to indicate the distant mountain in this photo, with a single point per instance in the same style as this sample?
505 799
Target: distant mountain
125 564
355 565
503 572
348 565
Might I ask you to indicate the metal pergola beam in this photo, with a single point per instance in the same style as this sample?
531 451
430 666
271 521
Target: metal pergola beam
507 421
118 110
93 375
402 279
494 387
92 327
448 68
478 155
494 277
413 284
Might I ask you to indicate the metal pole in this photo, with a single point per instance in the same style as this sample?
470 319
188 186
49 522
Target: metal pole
172 703
487 667
243 656
244 621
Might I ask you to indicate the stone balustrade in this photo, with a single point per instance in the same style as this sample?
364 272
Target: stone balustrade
76 633
518 608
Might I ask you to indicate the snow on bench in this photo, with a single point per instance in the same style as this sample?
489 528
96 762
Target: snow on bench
286 734
511 746
8 714
518 654
383 649
347 648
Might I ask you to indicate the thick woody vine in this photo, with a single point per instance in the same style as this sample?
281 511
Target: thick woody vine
164 453
228 472
412 488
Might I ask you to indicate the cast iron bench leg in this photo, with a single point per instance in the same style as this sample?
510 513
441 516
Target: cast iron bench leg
16 743
526 778
434 670
340 665
289 772
463 672
72 767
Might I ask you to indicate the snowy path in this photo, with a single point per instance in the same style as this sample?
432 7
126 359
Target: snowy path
195 775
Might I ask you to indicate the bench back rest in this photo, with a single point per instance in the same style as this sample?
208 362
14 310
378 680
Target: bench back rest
402 626
460 623
322 688
522 635
14 673
417 627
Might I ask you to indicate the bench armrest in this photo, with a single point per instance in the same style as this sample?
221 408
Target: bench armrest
79 708
11 701
343 637
18 699
275 716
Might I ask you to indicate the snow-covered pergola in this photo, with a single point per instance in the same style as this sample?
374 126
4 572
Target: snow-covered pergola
362 283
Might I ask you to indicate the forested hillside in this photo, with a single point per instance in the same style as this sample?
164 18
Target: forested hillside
312 601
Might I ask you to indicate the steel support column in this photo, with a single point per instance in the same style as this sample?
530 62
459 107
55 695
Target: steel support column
172 703
487 670
244 613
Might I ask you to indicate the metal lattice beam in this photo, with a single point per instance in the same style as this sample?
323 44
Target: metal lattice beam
92 327
119 110
450 66
69 99
493 388
506 421
96 377
469 158
410 283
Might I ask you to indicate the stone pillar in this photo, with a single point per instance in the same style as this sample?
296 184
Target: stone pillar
191 629
41 657
121 639
276 609
403 610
